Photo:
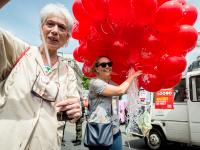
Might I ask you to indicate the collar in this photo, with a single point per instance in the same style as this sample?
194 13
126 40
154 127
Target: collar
40 62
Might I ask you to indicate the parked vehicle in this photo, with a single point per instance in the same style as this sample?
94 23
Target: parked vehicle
181 124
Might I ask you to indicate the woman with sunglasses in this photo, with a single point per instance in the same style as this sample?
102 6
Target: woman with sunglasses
103 99
37 88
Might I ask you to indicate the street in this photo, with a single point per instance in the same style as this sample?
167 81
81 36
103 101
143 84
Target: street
129 142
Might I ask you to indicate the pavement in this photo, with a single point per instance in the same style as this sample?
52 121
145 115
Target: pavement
129 142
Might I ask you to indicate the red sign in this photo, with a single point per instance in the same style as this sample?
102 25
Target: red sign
164 99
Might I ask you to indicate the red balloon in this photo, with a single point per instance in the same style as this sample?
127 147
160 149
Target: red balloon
133 41
106 28
83 51
119 13
86 54
171 81
87 70
120 69
189 15
79 11
160 2
97 9
168 15
183 2
133 58
152 48
135 33
183 41
118 79
80 30
150 82
120 48
76 55
96 42
171 65
143 10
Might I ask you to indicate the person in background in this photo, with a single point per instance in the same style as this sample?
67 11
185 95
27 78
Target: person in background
79 123
102 89
36 85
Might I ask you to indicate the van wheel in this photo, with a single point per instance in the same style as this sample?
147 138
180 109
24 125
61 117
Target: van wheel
155 139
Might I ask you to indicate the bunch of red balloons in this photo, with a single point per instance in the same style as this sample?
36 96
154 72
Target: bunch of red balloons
149 35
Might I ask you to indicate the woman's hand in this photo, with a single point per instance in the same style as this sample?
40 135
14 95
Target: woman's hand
134 74
72 108
137 73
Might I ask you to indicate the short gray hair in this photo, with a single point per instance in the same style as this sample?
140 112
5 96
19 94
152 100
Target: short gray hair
56 10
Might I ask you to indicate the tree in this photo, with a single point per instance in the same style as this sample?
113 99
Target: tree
85 82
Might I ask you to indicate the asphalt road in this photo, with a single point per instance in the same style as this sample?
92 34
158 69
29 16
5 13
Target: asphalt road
129 142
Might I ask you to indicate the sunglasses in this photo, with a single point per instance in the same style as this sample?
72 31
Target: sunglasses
103 65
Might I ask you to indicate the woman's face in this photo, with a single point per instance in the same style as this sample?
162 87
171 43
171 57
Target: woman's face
104 67
55 32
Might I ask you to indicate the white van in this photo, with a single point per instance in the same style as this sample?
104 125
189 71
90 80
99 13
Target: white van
181 124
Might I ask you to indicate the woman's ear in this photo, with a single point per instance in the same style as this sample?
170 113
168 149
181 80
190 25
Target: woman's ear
97 71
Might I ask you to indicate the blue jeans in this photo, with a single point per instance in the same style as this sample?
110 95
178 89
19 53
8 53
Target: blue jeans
117 143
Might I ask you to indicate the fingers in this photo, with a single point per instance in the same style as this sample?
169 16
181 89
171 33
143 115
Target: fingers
71 106
138 73
68 101
75 116
131 72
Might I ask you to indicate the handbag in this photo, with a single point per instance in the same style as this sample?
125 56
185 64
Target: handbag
98 134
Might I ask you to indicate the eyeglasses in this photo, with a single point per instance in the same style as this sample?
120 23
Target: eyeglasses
51 89
103 65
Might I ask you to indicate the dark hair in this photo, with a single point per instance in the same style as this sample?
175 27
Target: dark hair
96 63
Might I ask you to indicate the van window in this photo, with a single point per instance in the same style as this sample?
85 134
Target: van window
198 88
195 89
180 92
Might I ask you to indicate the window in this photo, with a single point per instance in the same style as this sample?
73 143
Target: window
195 89
198 88
180 92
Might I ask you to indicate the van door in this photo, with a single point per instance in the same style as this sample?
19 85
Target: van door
194 109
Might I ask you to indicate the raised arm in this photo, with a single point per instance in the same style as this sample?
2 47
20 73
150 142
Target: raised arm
111 90
10 49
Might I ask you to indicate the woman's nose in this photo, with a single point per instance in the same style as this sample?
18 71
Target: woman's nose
55 30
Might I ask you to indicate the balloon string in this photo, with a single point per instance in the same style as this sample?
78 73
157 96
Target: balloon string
45 48
105 31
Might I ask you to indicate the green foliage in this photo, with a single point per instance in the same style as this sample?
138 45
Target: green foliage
85 82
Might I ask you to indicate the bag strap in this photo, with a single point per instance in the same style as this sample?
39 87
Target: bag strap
18 59
21 56
96 104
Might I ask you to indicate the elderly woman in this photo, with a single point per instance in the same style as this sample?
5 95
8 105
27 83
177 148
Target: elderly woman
35 85
101 98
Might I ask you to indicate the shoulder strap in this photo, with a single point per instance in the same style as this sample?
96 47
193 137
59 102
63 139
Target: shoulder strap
95 106
21 56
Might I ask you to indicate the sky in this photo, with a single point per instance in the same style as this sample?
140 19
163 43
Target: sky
21 18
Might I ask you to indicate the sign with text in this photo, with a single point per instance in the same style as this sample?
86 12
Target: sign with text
144 97
164 99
